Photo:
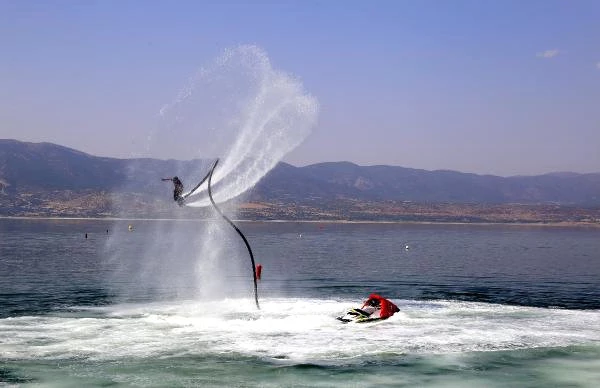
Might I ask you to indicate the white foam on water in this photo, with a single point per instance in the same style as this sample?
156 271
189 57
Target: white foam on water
291 330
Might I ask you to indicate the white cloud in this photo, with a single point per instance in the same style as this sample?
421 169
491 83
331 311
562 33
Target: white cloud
548 54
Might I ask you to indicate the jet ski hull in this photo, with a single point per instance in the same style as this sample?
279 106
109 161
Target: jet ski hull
357 315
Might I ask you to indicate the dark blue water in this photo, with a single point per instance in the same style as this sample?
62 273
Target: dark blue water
530 266
170 304
49 265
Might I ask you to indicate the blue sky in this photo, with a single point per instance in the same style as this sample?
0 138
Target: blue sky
490 87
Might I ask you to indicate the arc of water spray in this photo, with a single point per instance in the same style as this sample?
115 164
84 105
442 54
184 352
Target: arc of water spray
184 196
243 147
237 230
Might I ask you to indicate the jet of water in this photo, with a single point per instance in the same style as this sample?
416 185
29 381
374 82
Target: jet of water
248 115
258 115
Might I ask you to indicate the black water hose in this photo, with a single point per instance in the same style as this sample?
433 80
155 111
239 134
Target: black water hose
202 181
237 230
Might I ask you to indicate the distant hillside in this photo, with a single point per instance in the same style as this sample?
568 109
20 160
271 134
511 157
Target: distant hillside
385 183
44 167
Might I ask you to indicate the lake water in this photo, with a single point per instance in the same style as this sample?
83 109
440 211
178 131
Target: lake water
170 304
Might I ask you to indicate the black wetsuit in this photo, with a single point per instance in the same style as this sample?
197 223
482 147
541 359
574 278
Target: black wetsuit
177 190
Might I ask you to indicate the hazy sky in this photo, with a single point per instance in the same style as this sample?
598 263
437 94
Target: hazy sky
498 87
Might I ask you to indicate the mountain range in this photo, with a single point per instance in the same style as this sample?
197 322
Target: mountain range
27 168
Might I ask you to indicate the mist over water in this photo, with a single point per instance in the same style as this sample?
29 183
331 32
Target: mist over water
165 261
237 108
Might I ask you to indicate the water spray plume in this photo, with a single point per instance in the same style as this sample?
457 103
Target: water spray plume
257 116
245 113
254 276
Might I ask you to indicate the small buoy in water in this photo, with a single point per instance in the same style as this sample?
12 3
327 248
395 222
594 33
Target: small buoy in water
406 247
300 235
258 271
130 227
86 235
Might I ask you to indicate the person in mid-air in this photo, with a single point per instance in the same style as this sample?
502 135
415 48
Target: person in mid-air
177 189
386 308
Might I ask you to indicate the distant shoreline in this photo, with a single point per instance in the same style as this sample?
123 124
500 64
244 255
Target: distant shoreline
565 224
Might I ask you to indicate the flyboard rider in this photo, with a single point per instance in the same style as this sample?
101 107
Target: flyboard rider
377 302
177 189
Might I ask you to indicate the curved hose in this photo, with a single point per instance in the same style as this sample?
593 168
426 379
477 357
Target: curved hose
237 230
201 182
